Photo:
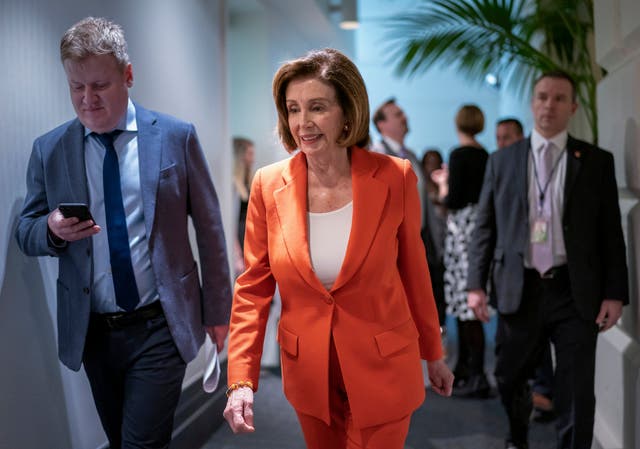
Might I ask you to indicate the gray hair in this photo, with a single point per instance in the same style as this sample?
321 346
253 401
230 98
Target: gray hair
94 36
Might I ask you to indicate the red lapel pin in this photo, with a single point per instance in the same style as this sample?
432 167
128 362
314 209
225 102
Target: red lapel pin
577 154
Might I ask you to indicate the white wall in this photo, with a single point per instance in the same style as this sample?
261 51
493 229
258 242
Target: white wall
262 35
178 54
251 110
617 32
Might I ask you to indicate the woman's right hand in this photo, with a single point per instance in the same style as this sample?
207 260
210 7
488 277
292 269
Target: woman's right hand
441 177
239 410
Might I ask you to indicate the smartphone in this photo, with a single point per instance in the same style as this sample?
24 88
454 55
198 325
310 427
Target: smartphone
79 210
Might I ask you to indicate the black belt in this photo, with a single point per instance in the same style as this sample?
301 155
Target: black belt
121 320
558 272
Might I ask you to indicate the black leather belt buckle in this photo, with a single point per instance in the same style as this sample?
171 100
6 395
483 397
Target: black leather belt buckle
123 319
549 274
554 272
113 321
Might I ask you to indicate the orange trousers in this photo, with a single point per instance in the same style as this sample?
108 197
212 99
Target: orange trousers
341 434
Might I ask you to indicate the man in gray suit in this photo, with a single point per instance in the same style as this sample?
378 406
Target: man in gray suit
130 304
549 221
392 124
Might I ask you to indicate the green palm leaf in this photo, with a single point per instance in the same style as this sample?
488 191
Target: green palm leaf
516 39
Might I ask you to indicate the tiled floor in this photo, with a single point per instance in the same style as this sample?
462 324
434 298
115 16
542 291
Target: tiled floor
441 423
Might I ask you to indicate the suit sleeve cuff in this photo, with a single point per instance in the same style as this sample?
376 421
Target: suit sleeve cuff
55 241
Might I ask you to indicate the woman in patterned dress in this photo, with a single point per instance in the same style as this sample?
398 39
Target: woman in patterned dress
465 174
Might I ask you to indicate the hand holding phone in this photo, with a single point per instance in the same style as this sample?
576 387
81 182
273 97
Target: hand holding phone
79 210
70 232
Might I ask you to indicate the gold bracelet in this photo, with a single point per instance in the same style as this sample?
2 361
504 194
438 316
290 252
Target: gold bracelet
236 385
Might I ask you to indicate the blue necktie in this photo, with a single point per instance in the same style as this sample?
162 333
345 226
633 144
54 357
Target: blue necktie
124 281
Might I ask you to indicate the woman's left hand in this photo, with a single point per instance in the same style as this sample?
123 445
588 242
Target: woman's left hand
441 377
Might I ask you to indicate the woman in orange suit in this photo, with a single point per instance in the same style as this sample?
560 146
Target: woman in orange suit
338 229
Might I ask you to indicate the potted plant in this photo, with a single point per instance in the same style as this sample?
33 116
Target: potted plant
514 39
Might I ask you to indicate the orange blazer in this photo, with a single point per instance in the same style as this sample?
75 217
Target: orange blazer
380 310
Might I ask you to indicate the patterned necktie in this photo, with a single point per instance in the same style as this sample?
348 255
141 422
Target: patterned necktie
542 251
124 281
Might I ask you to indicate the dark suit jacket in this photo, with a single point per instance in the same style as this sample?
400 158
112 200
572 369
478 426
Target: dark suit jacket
591 228
175 183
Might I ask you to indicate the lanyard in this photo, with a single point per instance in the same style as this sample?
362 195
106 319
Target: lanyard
543 191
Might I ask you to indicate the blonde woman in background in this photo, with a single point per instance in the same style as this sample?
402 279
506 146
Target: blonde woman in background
243 159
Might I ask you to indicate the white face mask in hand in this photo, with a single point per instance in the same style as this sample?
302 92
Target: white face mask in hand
211 374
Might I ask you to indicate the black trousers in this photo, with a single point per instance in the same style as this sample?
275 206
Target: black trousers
436 271
543 380
136 377
548 312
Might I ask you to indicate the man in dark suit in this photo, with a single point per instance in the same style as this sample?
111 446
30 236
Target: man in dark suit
392 124
549 219
130 304
508 131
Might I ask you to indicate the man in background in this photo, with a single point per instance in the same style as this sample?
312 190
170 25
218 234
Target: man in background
549 221
131 308
508 131
392 124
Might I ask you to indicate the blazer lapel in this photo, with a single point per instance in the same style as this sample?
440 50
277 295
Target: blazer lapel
291 205
574 164
149 157
73 148
369 198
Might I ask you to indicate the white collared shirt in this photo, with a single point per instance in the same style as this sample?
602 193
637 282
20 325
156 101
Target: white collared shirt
395 147
557 200
126 145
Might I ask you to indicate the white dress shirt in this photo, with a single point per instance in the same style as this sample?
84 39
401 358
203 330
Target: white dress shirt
557 181
103 299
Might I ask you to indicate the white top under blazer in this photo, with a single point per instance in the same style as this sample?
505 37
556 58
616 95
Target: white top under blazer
328 238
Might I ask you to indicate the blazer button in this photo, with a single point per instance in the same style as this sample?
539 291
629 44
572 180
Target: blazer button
86 290
329 299
88 253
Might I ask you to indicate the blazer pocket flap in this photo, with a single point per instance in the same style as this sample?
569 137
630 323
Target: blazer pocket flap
498 254
397 338
168 171
288 341
189 274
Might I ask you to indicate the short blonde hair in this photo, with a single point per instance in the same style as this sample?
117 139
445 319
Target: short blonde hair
335 69
94 36
470 119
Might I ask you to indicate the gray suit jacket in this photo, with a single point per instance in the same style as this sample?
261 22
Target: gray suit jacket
175 184
591 226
